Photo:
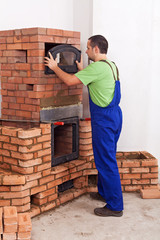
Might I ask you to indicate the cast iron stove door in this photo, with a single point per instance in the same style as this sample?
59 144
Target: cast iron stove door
64 140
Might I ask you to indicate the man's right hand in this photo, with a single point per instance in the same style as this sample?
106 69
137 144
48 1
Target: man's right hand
80 64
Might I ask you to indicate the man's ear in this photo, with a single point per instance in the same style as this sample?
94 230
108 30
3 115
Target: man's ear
96 49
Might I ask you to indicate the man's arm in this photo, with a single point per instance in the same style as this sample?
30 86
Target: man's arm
67 78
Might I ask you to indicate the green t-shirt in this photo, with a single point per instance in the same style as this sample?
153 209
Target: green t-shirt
99 78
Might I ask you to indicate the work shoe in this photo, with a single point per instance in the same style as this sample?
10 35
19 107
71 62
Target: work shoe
97 196
106 212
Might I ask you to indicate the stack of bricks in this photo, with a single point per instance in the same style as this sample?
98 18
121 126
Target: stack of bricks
30 183
25 88
13 225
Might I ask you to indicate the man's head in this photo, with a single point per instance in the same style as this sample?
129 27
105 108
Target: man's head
96 44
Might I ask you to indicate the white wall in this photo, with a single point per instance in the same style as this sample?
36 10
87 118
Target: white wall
133 31
36 13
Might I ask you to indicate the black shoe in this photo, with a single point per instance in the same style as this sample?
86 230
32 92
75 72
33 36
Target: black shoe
106 212
97 196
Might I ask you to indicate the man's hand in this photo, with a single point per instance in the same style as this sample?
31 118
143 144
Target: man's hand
80 64
50 62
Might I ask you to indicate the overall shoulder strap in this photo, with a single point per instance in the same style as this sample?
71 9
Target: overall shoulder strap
112 69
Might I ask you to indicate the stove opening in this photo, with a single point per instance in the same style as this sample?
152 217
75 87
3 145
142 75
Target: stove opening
64 140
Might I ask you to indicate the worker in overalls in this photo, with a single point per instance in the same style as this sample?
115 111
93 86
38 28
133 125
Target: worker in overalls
103 83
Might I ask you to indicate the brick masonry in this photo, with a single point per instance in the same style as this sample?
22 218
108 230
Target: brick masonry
25 89
29 183
13 225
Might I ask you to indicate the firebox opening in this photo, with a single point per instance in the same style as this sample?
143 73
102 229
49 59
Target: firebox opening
64 142
65 186
92 180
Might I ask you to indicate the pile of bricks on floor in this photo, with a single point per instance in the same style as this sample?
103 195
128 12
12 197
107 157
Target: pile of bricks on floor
13 225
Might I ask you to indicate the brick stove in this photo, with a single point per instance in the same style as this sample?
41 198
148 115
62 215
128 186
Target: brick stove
30 100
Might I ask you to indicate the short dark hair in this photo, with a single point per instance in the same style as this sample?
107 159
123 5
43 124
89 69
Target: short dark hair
100 41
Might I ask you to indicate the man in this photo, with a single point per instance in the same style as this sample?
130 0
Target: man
101 77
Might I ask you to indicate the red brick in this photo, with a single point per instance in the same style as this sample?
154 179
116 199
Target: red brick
20 201
38 66
130 163
30 163
132 176
140 170
45 193
44 138
10 160
4 152
154 169
6 73
14 46
20 99
10 219
154 181
23 142
34 176
35 53
9 236
38 189
66 197
54 32
44 152
151 162
4 189
52 197
24 222
150 175
22 156
34 211
1 224
24 236
8 195
54 183
39 202
8 86
29 149
27 107
10 147
22 170
141 181
4 203
23 114
46 179
24 208
33 46
132 188
48 206
4 139
13 180
150 193
43 167
29 133
126 182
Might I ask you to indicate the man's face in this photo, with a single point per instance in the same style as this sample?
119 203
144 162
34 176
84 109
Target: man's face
90 51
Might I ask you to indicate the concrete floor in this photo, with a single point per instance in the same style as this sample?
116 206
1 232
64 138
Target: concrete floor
76 221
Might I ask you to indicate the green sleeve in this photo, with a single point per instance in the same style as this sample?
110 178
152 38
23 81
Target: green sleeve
87 75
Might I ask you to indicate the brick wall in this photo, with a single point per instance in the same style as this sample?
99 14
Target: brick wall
25 89
29 183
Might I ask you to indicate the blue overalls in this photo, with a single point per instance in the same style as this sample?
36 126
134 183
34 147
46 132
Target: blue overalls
106 127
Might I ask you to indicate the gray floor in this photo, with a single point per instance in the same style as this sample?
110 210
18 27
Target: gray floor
76 221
